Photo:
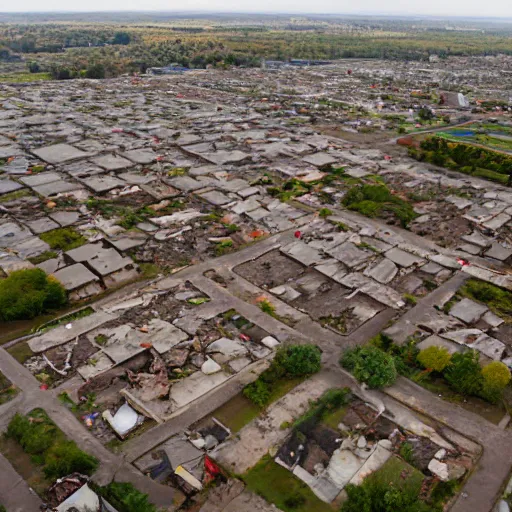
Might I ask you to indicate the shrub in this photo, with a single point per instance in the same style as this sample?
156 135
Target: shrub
463 374
496 375
434 358
96 71
65 457
371 366
258 392
324 212
299 360
27 293
126 498
290 361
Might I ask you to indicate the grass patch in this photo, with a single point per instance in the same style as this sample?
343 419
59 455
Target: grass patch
378 201
48 447
7 389
21 352
63 239
150 270
267 307
13 196
498 300
239 411
46 255
279 486
24 77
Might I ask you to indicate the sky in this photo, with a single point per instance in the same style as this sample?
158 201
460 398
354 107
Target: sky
491 8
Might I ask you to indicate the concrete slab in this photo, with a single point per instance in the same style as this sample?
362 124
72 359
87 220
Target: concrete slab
141 156
342 467
61 334
56 187
437 341
383 272
65 218
42 225
468 311
320 159
112 162
59 153
75 276
499 252
30 247
123 342
402 258
375 461
96 364
226 157
195 386
349 254
185 183
7 186
227 347
478 340
303 253
102 183
381 293
216 198
163 335
497 222
41 178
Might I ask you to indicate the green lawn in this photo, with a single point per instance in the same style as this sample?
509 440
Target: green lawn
279 486
402 475
239 411
24 77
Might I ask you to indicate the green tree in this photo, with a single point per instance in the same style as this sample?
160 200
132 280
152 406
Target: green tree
27 293
121 38
371 366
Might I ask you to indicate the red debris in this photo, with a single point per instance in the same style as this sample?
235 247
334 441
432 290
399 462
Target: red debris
43 387
244 337
387 157
210 467
349 72
463 262
117 130
297 234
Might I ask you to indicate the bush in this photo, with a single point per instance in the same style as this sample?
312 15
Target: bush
258 392
28 293
65 458
496 375
96 71
126 498
464 373
299 360
290 361
371 366
434 358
